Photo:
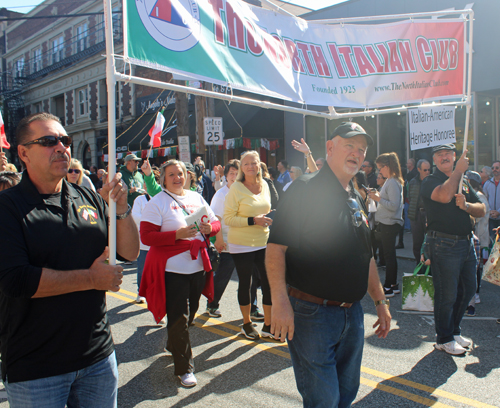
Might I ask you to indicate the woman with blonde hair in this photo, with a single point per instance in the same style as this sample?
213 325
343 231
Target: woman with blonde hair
389 216
245 212
75 172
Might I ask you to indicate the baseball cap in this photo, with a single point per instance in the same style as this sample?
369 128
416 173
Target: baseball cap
473 175
131 156
449 146
350 129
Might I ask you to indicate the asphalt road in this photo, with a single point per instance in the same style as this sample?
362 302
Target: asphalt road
403 370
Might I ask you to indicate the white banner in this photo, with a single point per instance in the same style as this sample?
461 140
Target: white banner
431 126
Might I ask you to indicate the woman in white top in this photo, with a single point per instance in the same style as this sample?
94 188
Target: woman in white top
389 216
177 254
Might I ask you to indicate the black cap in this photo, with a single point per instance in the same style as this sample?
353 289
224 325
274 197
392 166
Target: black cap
189 166
449 146
350 129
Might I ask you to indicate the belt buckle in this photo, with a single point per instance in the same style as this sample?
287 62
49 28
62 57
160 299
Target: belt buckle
342 304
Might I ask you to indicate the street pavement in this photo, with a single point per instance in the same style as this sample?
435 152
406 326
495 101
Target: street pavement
403 370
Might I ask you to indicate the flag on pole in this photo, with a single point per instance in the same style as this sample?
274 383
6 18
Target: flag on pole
155 131
3 136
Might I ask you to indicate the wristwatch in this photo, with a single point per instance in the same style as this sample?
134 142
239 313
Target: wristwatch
125 214
466 207
382 302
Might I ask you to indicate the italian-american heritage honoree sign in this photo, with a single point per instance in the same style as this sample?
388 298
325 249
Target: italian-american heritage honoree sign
432 126
257 50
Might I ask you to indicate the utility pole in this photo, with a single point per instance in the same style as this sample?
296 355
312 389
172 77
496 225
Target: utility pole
182 111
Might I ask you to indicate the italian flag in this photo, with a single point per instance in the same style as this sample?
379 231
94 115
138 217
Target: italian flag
3 137
155 131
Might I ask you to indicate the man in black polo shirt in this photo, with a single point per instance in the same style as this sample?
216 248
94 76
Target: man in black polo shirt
320 247
55 338
451 248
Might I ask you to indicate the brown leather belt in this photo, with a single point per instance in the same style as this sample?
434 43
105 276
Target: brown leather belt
314 299
436 234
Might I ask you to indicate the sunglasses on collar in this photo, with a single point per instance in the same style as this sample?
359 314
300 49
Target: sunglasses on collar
51 141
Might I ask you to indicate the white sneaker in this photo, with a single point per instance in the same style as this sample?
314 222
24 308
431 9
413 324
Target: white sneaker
140 299
452 347
477 300
188 380
464 342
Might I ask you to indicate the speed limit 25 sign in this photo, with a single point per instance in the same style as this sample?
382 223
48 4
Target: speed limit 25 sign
213 131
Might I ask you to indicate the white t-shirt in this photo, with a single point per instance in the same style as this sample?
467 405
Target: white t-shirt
162 210
217 206
139 204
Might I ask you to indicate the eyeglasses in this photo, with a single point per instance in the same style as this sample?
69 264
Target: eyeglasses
496 168
76 171
356 216
426 170
365 165
51 141
380 177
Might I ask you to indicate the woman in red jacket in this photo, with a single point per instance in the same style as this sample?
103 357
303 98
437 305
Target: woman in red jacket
175 270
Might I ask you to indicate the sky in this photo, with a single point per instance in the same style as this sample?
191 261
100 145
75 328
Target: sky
24 6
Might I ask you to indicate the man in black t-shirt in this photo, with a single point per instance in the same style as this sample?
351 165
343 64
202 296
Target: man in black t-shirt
319 265
450 245
55 338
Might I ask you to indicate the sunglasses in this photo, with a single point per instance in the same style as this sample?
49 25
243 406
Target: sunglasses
76 171
426 170
356 217
51 141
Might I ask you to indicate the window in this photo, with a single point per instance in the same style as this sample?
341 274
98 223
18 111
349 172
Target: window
37 107
83 102
117 22
37 59
57 49
19 68
82 35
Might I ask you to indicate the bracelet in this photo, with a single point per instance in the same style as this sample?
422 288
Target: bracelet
308 154
382 302
125 214
251 221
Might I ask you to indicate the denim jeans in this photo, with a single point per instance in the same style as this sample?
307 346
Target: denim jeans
140 267
454 274
326 352
94 386
222 276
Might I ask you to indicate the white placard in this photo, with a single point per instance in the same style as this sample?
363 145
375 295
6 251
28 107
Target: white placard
185 157
432 126
213 131
184 140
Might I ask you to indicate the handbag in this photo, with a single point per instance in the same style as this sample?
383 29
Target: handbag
491 270
213 254
418 290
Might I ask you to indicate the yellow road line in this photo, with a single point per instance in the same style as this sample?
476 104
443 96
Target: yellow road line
271 346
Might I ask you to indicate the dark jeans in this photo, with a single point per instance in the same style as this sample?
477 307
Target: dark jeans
388 234
418 233
183 298
454 276
222 276
244 263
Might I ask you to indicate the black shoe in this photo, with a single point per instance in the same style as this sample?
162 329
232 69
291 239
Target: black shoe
400 246
249 331
395 288
388 292
266 331
257 316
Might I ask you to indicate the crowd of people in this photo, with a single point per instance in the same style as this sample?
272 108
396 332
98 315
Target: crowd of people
314 244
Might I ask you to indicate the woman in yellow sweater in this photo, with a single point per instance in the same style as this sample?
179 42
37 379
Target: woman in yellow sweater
245 209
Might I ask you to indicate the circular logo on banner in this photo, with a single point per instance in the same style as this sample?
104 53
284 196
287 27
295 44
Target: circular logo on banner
174 24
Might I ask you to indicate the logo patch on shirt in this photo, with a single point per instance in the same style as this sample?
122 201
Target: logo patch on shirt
465 188
88 213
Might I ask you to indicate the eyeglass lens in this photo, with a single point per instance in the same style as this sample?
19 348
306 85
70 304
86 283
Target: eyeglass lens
49 141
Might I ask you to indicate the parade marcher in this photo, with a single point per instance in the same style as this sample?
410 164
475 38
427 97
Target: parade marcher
284 177
320 266
416 210
451 249
226 266
132 177
56 342
389 216
174 273
371 176
245 212
491 190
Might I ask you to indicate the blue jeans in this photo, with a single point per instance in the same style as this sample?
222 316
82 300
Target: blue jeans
140 266
326 352
94 386
222 276
453 265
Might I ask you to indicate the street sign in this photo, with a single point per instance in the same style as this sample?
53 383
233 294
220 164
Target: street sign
213 131
184 149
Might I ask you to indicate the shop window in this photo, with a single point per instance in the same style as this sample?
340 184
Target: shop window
83 101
